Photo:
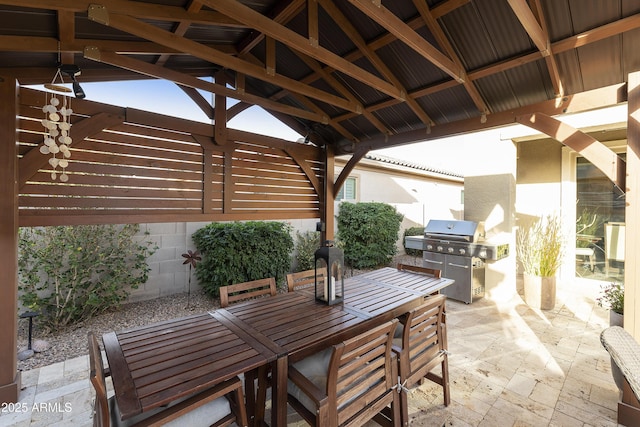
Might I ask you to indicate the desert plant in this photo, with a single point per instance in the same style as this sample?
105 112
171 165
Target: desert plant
234 252
539 247
368 233
306 245
69 274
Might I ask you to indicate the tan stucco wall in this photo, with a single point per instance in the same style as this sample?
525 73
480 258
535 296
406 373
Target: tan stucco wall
538 177
489 197
539 182
417 196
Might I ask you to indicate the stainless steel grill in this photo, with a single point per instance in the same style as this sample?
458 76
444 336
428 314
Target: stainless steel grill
458 249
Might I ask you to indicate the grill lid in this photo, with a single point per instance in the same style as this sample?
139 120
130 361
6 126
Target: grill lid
466 231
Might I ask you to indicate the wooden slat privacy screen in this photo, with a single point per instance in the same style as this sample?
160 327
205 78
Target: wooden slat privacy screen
130 166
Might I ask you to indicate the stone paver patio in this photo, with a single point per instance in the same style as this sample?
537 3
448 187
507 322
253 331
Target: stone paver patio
510 365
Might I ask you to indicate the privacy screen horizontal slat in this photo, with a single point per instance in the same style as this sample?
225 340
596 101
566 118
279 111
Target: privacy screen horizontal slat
145 167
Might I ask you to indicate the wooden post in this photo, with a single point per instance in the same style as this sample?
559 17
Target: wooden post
328 210
632 211
9 374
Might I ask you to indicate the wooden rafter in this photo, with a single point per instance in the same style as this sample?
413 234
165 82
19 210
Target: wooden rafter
307 103
529 14
66 33
590 36
190 81
150 32
377 62
47 44
584 101
181 28
283 13
539 35
408 36
133 8
444 43
242 13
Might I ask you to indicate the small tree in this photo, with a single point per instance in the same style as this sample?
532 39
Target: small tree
368 232
306 245
70 274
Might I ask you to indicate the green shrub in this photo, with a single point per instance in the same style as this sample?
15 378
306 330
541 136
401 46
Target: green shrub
70 274
412 231
368 232
306 245
241 251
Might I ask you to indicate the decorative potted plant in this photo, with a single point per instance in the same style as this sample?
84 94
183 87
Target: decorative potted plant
539 249
613 298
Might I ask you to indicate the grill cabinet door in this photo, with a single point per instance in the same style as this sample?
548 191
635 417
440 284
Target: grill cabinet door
454 267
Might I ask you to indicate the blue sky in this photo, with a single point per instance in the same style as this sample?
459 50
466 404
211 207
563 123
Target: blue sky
161 96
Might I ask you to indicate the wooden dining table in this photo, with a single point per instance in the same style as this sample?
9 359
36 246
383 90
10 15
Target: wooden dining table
300 326
156 364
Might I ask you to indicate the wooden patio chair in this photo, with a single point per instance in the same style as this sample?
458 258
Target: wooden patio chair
421 345
256 394
349 384
219 406
422 270
246 290
303 279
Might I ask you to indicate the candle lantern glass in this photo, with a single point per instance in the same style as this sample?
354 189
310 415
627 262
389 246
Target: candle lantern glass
329 274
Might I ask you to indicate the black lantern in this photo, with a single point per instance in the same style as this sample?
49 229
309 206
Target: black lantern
329 283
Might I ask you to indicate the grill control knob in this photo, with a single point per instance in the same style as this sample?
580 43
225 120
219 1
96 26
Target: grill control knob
429 247
462 251
439 249
482 254
450 250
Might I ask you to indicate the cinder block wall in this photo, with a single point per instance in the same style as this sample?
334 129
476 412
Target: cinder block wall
168 274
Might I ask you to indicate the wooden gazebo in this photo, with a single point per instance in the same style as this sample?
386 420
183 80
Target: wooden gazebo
348 75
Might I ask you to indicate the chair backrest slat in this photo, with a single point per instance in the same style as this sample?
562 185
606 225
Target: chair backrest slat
423 270
303 279
96 376
247 290
361 373
424 336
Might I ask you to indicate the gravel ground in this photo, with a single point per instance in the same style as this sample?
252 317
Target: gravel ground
72 342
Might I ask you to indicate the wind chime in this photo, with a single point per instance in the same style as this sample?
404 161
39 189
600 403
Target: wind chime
57 125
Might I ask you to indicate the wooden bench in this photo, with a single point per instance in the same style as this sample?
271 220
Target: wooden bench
625 354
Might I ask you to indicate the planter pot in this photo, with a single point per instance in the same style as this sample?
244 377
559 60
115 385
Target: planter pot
616 319
540 292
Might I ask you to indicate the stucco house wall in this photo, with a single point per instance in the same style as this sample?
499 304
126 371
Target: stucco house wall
416 191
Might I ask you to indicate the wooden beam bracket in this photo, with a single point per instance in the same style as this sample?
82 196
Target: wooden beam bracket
98 13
